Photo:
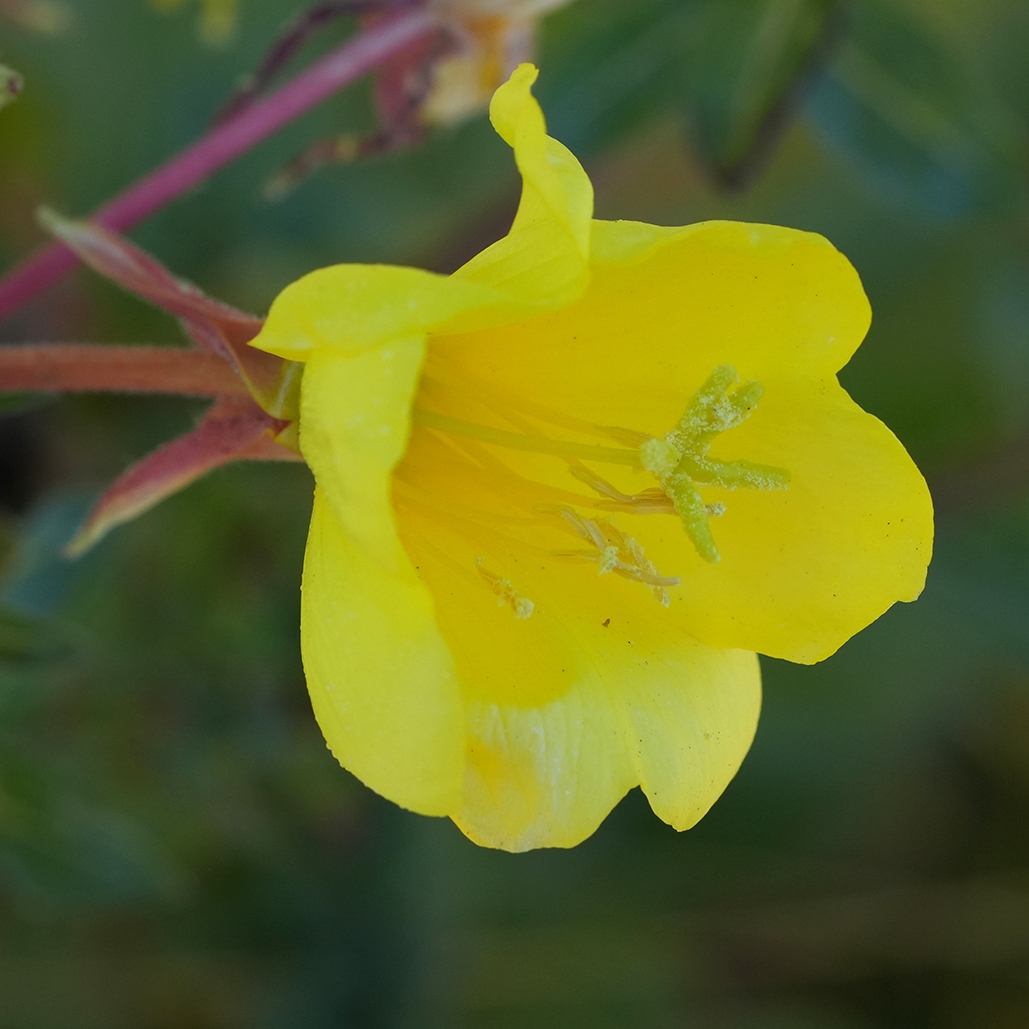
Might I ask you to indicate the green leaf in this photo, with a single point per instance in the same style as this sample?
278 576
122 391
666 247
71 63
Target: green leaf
899 107
733 70
16 403
27 638
609 67
743 74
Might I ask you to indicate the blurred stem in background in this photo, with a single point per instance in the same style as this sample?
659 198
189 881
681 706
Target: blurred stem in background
224 143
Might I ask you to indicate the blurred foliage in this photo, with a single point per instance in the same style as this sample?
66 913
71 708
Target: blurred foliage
178 848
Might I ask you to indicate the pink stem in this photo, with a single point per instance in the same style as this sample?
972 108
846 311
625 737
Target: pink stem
222 145
108 368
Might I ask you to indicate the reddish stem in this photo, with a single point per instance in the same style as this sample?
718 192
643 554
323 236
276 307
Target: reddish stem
89 368
295 36
223 144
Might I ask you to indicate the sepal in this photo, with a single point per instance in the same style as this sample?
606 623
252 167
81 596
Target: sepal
213 326
232 429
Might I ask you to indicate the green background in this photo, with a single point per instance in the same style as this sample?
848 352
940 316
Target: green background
177 846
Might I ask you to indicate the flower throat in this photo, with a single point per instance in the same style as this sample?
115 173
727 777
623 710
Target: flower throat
679 460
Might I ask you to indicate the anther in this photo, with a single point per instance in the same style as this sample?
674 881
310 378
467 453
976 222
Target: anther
521 607
614 551
608 560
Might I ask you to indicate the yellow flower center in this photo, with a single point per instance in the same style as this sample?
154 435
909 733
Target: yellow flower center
453 481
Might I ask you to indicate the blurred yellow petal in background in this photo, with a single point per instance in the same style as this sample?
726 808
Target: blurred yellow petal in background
493 37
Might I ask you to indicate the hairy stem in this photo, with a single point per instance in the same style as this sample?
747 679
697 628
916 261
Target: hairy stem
222 145
93 368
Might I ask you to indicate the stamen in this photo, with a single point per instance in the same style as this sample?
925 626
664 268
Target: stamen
504 506
614 551
525 441
649 501
521 607
486 529
627 437
608 560
505 484
440 380
680 461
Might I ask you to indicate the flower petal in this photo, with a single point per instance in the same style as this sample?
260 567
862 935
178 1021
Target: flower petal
694 722
776 296
381 679
579 685
679 723
805 568
623 241
543 262
353 307
543 776
667 307
802 569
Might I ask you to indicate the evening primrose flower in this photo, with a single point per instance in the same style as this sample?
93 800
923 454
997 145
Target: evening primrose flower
564 495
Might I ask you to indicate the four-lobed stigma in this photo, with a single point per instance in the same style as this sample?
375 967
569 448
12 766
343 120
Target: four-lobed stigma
680 461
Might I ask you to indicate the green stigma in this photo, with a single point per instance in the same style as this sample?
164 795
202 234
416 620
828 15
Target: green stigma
680 462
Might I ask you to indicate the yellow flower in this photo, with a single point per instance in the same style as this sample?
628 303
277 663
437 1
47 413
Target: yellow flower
217 22
565 493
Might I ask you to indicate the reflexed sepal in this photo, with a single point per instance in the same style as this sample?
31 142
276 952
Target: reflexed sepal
233 429
210 324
